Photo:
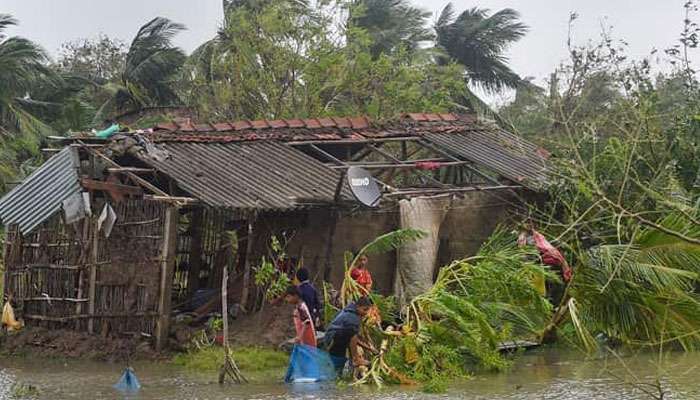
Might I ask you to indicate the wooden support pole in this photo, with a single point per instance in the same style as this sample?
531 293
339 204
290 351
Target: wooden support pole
10 238
92 282
196 231
135 170
339 186
167 269
224 303
84 257
332 225
229 368
246 265
424 191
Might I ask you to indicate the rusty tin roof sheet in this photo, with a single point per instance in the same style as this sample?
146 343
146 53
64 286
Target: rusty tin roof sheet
507 154
250 176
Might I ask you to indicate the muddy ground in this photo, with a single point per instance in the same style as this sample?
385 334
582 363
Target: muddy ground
268 328
70 344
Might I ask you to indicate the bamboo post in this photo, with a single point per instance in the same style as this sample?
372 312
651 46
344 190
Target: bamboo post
246 266
196 230
224 304
229 367
10 238
85 248
335 215
167 269
93 280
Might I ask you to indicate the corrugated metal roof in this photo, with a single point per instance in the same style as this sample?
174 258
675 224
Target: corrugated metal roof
504 153
246 176
42 193
462 135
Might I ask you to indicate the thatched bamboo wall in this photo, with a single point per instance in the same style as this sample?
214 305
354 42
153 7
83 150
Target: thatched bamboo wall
71 276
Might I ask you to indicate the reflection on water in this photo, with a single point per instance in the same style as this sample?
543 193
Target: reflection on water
543 374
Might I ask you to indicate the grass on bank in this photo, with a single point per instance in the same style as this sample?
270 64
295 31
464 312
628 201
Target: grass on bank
256 363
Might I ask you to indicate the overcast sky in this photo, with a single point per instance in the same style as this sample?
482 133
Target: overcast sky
645 24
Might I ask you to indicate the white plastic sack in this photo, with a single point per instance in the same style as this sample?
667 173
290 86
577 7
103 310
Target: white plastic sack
417 260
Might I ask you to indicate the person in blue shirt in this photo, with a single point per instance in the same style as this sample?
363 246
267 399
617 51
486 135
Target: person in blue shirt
309 295
343 332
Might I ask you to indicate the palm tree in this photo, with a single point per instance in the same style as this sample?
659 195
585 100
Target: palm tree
152 63
640 293
391 24
23 66
477 40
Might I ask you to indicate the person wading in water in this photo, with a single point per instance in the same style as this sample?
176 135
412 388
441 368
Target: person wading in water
304 325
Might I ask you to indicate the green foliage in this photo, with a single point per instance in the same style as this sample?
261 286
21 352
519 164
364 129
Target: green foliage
388 242
150 68
387 306
392 25
257 363
273 281
475 303
98 60
268 277
641 293
22 391
478 40
279 60
622 203
436 384
350 289
216 324
22 67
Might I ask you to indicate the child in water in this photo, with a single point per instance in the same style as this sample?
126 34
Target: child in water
306 333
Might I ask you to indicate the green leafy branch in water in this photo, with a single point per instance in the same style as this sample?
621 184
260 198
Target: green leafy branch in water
23 391
457 325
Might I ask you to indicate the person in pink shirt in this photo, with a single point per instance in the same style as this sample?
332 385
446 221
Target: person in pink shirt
304 325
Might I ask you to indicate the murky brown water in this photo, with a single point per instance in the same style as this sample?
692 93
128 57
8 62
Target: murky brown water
542 374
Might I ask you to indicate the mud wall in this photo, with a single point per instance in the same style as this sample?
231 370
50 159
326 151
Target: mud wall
471 219
469 222
309 235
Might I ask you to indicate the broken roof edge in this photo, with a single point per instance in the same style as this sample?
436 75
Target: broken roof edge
358 122
42 193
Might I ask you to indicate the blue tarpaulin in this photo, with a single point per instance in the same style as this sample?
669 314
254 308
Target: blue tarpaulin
309 364
128 381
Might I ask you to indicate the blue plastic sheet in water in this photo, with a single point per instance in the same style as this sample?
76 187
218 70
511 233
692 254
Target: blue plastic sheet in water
128 382
309 364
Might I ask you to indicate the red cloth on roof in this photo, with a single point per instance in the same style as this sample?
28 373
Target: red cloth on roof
551 255
428 165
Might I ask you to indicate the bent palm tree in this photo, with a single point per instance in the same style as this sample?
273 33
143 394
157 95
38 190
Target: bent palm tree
478 40
151 64
22 68
391 24
640 293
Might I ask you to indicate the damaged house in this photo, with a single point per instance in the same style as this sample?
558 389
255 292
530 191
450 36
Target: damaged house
110 235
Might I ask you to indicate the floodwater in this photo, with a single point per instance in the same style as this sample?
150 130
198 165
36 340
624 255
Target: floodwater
539 374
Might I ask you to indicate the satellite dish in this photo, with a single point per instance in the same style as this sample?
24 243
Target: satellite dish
363 186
